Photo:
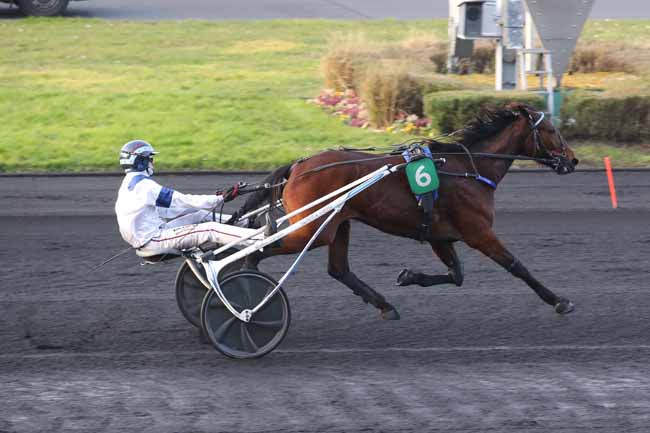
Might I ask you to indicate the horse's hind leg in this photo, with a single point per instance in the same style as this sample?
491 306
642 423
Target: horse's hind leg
446 252
490 245
339 268
252 260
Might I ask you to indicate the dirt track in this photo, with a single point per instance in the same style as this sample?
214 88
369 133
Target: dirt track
107 350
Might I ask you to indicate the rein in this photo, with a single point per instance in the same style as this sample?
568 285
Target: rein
467 154
244 188
551 160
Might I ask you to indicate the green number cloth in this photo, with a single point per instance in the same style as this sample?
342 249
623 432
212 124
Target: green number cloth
422 176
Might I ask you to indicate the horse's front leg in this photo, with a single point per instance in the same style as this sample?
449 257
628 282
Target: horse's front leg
446 252
488 243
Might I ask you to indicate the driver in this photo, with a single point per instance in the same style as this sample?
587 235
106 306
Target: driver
158 220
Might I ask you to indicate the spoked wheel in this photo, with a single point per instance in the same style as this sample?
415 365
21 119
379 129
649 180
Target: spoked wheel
267 328
190 291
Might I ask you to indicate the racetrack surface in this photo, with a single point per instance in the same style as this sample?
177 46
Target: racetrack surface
107 349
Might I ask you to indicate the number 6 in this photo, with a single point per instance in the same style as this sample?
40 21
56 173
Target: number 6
421 178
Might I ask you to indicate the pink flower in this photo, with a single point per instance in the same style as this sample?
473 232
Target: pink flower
331 100
349 108
352 111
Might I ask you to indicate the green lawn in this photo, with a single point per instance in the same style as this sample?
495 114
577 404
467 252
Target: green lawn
208 95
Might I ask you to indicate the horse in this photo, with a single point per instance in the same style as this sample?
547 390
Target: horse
475 164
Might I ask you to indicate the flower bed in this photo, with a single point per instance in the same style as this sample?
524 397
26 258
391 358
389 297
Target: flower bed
349 108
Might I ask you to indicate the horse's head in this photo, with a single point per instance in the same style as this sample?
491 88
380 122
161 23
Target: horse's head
545 142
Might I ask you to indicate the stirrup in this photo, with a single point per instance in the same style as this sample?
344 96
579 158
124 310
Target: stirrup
270 229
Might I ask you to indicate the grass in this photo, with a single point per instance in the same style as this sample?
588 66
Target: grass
630 156
591 155
208 95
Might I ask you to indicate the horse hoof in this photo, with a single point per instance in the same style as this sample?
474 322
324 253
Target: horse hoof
390 314
564 306
405 278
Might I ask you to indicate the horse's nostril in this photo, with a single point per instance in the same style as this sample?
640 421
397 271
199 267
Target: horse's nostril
574 161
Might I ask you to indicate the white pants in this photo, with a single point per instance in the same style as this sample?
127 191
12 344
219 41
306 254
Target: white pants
192 230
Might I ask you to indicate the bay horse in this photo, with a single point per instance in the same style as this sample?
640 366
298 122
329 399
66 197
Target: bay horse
464 210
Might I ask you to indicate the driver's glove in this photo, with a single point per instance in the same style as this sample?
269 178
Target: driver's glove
230 193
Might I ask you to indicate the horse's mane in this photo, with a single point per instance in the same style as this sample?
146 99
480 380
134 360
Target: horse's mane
489 122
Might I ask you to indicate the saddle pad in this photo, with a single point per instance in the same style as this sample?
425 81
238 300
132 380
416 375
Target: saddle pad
422 176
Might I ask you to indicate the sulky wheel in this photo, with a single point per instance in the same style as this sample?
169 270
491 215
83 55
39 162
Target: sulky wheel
267 328
190 291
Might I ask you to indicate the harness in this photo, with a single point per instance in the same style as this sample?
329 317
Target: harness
554 160
423 179
419 150
245 188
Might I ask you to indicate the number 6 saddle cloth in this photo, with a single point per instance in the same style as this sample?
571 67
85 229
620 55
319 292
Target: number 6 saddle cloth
424 182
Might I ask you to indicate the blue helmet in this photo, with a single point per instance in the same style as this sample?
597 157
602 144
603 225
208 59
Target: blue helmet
136 155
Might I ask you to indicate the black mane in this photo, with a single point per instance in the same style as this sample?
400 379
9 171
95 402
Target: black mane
487 123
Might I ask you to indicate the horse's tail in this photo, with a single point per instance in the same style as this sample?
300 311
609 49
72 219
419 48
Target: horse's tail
268 195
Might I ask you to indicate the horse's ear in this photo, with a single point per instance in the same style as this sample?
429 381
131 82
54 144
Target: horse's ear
518 109
524 111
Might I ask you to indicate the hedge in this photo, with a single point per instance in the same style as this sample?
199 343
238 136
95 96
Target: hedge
451 110
588 115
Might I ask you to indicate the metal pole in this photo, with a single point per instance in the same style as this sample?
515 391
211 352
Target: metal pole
550 101
505 57
529 39
498 66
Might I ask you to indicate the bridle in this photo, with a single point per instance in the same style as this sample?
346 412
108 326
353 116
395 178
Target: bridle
558 161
